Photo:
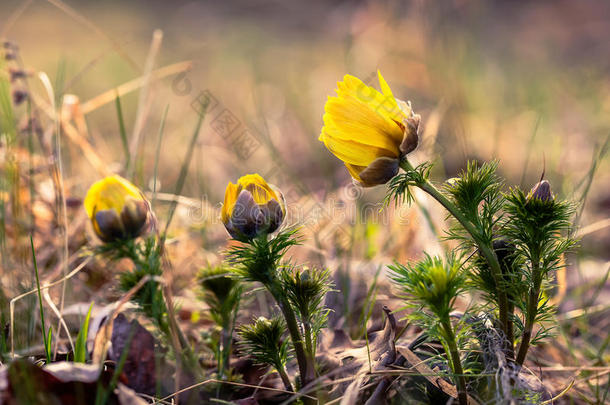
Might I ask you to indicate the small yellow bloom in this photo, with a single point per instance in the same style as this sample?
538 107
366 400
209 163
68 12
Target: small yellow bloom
252 208
368 130
118 210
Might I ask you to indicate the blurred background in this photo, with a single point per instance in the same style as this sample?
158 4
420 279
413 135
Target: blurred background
526 83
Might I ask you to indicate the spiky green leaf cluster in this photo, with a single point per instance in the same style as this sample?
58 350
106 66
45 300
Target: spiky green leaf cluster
306 291
476 192
221 292
262 260
482 279
264 341
433 282
512 243
538 228
149 298
399 187
259 259
146 256
431 286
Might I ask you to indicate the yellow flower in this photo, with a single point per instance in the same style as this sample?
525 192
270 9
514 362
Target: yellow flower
368 130
118 210
252 208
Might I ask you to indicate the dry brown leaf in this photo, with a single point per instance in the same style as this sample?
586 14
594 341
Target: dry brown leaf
381 352
139 368
66 383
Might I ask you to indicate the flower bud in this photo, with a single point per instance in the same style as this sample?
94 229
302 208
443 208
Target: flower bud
541 191
252 208
117 209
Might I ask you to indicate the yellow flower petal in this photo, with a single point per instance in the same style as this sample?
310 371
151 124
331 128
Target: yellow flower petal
231 194
110 193
355 153
261 191
354 171
356 121
384 104
385 89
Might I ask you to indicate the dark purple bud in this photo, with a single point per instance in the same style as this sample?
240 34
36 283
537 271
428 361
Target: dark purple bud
108 225
542 191
134 217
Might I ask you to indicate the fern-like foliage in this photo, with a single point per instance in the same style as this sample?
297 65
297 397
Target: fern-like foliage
430 287
259 259
264 341
221 292
306 291
477 193
539 229
482 280
399 187
432 283
146 256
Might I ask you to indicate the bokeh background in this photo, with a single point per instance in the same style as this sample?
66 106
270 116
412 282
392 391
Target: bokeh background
526 83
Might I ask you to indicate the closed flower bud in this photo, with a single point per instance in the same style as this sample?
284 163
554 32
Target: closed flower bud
118 210
368 130
542 191
252 208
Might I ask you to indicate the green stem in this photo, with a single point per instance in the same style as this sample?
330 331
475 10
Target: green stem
485 250
532 312
460 380
225 350
308 341
310 348
510 334
306 369
281 370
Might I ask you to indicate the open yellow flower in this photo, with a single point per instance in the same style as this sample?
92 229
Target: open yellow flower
118 210
252 208
368 130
